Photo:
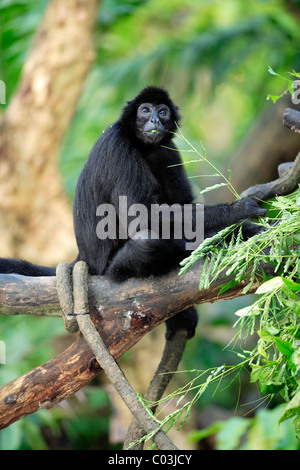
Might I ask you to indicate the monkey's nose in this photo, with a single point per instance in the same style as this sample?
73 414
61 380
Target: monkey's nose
155 119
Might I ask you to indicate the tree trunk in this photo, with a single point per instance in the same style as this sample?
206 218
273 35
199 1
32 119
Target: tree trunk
35 215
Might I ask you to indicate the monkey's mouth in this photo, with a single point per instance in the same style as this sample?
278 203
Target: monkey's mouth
153 131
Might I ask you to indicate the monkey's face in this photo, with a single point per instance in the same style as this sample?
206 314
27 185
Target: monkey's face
153 122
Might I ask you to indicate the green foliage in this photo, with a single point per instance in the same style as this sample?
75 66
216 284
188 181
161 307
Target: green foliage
241 257
259 433
78 424
274 360
19 21
289 87
274 316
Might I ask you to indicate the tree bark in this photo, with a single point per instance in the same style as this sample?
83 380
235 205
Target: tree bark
35 215
285 184
291 119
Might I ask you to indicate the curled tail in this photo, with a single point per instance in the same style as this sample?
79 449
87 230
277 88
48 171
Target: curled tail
14 266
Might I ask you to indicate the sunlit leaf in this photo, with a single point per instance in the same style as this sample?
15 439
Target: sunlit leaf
292 409
268 286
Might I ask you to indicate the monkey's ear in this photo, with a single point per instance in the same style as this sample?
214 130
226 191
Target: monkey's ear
128 114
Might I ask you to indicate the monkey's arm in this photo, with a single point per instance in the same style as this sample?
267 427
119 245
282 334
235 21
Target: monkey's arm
219 216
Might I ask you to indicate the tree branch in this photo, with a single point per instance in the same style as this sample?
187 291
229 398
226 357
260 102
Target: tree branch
172 355
288 180
285 184
123 313
107 362
291 119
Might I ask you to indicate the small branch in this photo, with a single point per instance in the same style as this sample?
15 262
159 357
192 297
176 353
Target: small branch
291 119
290 179
169 363
107 362
64 287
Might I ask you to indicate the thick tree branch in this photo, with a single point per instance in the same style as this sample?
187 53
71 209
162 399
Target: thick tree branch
133 305
288 181
123 313
283 185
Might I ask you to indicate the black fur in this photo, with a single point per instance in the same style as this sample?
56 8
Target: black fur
14 266
123 163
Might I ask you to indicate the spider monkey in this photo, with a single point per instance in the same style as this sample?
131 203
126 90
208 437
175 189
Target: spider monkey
137 158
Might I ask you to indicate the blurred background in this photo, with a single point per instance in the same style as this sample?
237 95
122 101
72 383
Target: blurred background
68 69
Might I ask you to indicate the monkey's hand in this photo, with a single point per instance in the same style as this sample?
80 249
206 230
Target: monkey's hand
247 208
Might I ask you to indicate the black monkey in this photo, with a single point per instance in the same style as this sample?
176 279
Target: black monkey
136 157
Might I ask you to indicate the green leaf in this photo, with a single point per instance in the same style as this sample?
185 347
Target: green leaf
262 351
244 312
293 305
271 71
271 329
274 98
294 286
196 436
269 286
203 149
269 387
292 409
230 435
255 373
297 426
266 336
295 358
212 188
269 379
228 286
284 347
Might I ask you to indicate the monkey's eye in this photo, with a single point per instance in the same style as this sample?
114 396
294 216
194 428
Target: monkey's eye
164 112
145 110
